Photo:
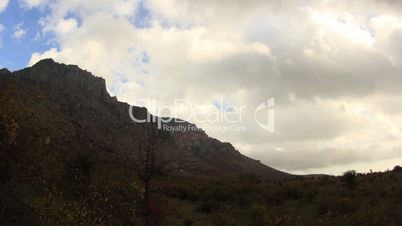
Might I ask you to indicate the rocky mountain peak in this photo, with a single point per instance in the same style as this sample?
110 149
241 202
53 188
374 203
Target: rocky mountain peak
67 77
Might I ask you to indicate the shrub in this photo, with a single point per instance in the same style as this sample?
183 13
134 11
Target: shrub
397 169
209 207
188 222
349 179
293 193
262 216
221 219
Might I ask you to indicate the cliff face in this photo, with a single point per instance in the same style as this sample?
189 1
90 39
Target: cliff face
71 111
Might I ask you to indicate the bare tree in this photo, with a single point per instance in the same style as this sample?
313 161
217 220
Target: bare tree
152 162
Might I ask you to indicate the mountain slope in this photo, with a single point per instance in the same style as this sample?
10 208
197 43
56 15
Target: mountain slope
65 151
75 109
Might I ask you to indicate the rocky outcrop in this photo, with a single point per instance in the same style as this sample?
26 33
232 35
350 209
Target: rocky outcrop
70 78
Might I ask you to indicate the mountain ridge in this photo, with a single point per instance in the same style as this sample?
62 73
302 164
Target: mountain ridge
82 101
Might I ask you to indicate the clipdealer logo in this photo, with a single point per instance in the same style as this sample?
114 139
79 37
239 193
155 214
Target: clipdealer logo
222 118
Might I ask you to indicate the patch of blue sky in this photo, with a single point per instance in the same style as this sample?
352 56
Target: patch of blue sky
76 16
145 58
15 53
143 16
223 106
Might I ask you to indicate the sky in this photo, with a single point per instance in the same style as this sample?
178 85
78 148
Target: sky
334 68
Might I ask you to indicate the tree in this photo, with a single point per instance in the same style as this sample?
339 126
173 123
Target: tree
151 162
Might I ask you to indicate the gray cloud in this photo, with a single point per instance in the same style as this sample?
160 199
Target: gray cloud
334 68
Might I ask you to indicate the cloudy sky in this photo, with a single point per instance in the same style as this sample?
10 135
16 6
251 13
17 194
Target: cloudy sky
333 67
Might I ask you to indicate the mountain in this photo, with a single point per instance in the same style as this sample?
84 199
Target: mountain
74 111
68 151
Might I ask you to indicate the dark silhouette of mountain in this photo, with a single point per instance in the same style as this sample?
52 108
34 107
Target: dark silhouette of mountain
77 112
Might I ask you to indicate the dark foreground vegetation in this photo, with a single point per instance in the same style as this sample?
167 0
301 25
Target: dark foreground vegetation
41 191
46 187
41 185
70 155
351 199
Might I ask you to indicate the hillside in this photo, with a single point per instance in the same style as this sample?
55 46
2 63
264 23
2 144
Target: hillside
69 156
76 107
63 134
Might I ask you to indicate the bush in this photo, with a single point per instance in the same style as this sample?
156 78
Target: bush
349 179
221 219
188 222
397 169
293 193
209 207
262 216
222 195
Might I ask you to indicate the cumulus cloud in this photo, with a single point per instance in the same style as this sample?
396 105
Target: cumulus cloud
19 31
3 5
333 67
66 26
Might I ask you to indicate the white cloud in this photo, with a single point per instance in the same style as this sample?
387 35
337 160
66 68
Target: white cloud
3 5
332 67
66 26
31 3
19 31
1 35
